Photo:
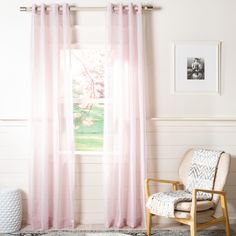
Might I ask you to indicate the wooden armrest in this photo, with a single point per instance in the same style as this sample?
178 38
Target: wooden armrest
162 181
174 183
209 191
194 198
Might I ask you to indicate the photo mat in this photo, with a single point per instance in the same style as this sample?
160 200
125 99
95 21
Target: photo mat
196 67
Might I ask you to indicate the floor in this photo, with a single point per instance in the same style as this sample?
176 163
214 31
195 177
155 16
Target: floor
174 226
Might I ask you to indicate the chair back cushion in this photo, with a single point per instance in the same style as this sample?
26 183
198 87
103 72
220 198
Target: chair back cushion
221 174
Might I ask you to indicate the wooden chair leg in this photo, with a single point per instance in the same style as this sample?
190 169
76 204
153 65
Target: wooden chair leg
193 230
149 222
225 214
193 213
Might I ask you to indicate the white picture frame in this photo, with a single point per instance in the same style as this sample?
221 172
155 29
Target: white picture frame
196 67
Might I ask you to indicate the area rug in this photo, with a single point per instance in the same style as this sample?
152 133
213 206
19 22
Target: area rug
217 232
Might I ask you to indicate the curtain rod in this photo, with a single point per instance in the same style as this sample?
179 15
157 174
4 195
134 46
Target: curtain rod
74 8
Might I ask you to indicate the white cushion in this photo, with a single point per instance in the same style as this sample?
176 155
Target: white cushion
201 206
202 216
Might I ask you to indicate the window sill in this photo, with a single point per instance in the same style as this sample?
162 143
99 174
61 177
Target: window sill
83 157
88 153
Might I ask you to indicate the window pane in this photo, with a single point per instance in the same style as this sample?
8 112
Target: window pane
89 127
88 91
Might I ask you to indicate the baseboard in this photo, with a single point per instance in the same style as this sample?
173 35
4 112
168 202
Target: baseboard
232 220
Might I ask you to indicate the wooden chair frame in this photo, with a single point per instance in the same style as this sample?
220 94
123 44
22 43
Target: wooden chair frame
193 212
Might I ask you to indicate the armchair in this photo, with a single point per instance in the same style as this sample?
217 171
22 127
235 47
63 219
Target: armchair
197 214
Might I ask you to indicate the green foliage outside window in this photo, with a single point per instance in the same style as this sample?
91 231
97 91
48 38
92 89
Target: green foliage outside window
89 128
88 92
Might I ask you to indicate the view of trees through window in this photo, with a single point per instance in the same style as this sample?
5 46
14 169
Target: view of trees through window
88 91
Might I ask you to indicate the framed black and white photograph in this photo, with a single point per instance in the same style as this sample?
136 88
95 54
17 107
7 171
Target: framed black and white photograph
196 67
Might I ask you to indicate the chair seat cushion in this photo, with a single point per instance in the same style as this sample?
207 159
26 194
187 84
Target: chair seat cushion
202 216
201 206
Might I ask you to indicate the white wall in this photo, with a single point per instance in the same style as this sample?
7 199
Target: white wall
167 139
191 20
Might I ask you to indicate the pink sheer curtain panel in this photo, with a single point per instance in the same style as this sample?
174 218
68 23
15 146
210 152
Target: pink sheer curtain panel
51 198
125 116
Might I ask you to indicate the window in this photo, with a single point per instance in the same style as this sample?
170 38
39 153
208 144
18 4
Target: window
88 67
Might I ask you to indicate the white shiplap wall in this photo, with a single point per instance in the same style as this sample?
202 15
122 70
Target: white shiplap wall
14 157
167 141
